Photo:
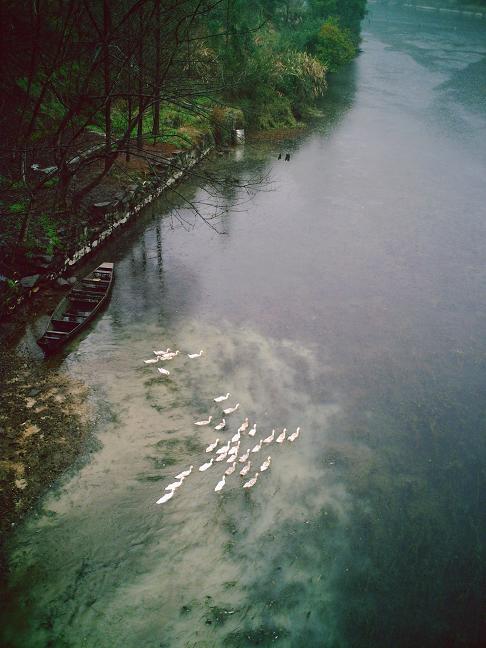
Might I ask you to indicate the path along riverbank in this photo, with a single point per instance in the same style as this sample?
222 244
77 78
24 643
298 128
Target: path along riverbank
111 205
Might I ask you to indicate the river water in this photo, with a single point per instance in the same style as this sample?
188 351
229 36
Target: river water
347 297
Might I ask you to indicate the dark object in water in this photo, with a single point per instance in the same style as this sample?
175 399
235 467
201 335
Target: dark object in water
77 308
287 157
279 156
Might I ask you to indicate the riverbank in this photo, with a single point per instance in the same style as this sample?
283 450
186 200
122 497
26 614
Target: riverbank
134 183
44 426
44 415
112 205
137 180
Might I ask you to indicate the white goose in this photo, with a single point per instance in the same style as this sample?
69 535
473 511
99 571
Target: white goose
220 484
266 464
232 452
165 498
245 456
206 465
221 425
244 426
246 469
252 432
151 361
185 473
230 410
270 438
191 356
222 457
294 436
160 353
235 437
211 446
231 469
163 371
258 447
251 482
224 449
207 422
220 399
169 356
281 437
174 485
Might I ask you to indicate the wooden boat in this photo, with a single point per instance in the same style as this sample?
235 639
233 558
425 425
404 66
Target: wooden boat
78 308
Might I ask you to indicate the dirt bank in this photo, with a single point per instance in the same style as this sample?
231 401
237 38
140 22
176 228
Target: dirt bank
44 425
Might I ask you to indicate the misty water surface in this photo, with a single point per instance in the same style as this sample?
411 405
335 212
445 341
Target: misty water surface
347 297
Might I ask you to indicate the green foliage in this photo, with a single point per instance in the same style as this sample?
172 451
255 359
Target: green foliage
276 112
264 104
53 109
49 230
35 86
17 184
280 86
52 182
276 72
9 294
334 46
17 208
302 77
323 8
173 122
349 13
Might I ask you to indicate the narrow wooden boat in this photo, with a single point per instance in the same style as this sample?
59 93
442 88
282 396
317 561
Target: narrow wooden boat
78 308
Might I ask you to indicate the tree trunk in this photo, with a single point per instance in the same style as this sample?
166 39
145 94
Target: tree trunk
107 76
129 110
24 227
156 106
140 82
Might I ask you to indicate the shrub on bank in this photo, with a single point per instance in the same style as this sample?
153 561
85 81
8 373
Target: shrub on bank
334 45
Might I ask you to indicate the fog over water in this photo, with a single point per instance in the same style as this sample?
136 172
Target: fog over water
349 298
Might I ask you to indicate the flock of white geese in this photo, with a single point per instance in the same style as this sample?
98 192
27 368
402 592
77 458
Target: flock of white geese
230 451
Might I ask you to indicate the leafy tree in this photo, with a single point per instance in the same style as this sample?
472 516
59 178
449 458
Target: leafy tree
334 46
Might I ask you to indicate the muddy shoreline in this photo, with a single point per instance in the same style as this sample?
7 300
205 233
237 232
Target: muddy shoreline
44 427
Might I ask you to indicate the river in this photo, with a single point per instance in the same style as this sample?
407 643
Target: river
347 297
